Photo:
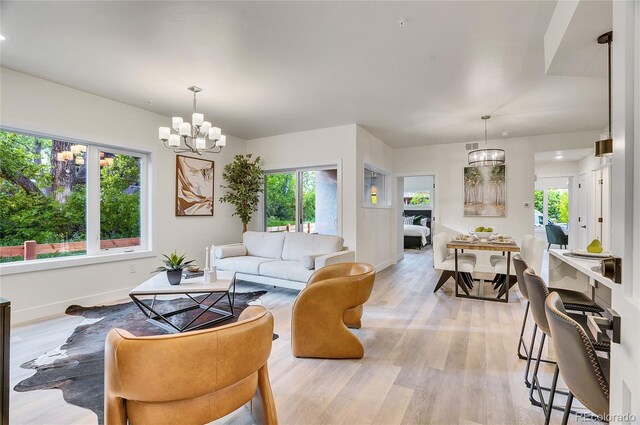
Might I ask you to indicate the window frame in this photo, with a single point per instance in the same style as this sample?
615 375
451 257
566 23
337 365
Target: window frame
95 255
384 198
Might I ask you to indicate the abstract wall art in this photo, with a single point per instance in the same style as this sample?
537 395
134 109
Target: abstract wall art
194 186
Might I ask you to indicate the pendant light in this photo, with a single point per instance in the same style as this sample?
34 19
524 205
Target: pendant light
604 147
486 157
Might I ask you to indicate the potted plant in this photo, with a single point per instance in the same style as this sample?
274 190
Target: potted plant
173 265
244 183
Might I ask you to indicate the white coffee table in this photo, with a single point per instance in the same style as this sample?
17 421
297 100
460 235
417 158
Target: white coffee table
157 285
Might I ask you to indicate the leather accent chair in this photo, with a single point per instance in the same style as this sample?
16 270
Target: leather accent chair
191 378
445 261
556 236
584 373
538 292
331 302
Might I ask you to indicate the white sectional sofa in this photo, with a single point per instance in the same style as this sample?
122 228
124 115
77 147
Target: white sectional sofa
281 259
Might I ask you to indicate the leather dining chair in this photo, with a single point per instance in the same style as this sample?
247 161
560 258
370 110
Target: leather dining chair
585 374
331 303
444 261
190 378
538 292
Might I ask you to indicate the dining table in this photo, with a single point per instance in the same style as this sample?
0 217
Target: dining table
507 248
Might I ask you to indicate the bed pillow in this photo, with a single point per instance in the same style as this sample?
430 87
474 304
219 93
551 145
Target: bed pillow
408 220
424 222
417 219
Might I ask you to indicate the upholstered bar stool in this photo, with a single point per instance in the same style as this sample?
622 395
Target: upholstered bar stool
537 291
443 260
573 300
585 374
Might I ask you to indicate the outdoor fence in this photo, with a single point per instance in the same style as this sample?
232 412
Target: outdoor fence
31 249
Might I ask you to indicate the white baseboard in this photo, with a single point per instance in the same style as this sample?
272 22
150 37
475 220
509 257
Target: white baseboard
42 311
400 257
383 265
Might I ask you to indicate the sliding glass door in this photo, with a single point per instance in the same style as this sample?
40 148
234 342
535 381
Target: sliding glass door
302 200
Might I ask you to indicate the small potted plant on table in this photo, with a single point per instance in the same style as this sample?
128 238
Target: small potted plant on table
173 265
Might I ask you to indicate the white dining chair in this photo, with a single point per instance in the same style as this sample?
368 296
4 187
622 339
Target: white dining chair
444 260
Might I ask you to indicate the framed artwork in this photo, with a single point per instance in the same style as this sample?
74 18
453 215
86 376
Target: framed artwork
485 191
194 186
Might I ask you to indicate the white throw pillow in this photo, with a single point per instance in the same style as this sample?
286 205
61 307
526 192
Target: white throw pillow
409 219
230 251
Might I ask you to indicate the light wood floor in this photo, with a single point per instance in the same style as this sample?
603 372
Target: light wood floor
429 359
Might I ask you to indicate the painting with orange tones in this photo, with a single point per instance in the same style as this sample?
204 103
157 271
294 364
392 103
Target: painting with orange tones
194 186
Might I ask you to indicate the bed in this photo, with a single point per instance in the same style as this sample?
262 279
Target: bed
417 235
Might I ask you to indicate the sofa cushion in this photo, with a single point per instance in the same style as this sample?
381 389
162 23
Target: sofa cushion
263 244
249 265
297 245
289 270
309 261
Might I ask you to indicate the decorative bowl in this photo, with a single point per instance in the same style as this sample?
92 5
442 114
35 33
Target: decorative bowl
484 235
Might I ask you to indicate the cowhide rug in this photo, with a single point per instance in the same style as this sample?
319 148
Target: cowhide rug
77 366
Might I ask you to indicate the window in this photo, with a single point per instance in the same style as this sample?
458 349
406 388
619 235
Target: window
375 188
306 197
62 198
422 198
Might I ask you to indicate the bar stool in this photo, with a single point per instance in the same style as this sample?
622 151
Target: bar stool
573 300
537 291
584 373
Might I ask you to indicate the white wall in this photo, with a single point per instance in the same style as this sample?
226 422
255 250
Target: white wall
37 105
556 169
335 145
375 225
447 161
418 183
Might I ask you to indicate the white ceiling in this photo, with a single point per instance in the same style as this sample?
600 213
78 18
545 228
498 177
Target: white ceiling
278 67
567 155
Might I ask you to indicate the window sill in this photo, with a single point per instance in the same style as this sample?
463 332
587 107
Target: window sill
59 263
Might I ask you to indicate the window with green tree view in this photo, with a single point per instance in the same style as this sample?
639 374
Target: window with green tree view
47 208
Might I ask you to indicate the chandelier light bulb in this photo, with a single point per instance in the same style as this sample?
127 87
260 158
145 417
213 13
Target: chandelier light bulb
197 119
223 141
205 127
175 123
185 129
200 143
174 140
214 133
163 133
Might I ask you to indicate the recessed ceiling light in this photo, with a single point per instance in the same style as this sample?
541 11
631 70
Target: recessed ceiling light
401 22
2 37
506 133
558 157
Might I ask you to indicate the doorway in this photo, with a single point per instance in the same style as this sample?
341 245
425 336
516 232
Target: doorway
552 206
417 203
301 200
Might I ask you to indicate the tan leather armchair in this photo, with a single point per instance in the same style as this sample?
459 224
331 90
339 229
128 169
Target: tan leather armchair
331 301
191 378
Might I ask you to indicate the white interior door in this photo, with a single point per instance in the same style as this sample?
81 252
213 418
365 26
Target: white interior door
583 237
625 215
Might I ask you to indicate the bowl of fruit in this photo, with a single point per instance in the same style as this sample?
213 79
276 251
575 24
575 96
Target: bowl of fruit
483 232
